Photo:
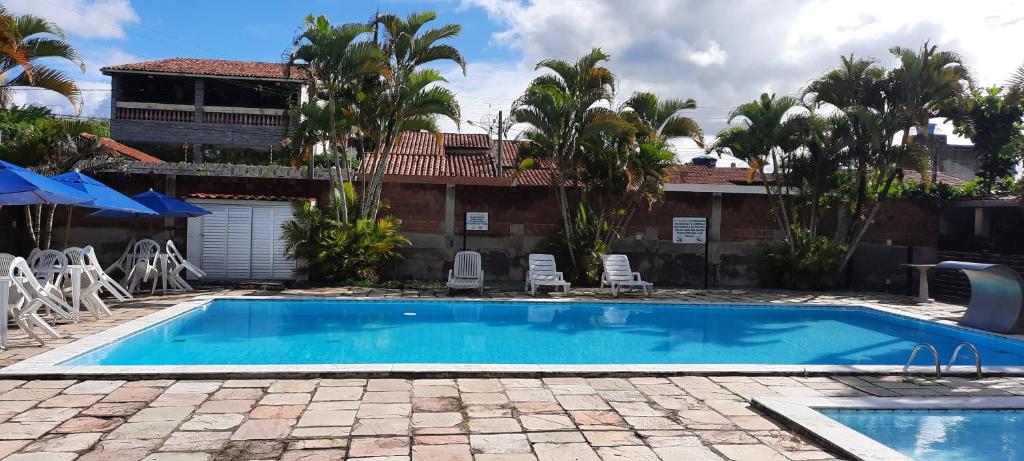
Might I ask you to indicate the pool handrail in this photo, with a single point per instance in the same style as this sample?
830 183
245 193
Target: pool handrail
997 296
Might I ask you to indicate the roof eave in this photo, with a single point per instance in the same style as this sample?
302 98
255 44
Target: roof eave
108 71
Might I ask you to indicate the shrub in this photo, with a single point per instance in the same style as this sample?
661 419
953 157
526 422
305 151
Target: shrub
587 245
336 252
812 263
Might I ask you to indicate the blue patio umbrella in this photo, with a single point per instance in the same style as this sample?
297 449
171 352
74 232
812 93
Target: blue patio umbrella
20 186
105 197
164 206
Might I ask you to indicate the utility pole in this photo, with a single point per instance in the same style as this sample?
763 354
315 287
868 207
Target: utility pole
501 133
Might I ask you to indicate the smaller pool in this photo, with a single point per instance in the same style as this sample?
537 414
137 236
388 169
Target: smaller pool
941 435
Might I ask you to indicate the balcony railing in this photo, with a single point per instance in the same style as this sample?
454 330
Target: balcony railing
155 115
245 119
211 114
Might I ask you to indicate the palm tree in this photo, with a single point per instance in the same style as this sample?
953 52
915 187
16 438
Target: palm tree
412 98
663 119
24 41
563 107
769 129
336 61
928 84
1015 87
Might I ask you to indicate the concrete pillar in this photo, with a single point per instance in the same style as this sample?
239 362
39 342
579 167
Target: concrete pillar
115 95
714 238
449 221
200 98
982 222
170 190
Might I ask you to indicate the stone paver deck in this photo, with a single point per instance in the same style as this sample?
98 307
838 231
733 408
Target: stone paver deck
509 419
551 419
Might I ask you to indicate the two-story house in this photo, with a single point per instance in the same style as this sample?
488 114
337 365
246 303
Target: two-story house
203 108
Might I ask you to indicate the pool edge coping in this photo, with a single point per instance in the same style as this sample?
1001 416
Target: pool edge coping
46 364
801 414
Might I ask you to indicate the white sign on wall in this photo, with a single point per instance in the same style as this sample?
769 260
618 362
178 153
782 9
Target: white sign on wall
689 230
476 220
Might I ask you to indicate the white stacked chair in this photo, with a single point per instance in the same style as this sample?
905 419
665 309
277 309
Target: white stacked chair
124 262
177 266
542 272
144 265
49 268
619 275
32 297
90 288
467 273
92 264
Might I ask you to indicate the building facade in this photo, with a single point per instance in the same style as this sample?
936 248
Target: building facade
203 109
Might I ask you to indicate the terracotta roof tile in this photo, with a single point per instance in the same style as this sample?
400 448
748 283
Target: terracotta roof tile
418 143
124 150
214 67
467 141
471 165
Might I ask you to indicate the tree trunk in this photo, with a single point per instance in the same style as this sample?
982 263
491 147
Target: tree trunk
563 202
341 215
376 181
867 222
31 226
48 234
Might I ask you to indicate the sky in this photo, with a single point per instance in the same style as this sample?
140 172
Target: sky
719 53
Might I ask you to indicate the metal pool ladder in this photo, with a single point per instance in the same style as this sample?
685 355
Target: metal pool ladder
935 355
977 357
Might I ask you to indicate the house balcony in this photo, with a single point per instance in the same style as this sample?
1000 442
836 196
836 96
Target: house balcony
193 124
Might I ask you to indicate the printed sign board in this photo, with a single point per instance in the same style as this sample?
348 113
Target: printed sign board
689 230
476 220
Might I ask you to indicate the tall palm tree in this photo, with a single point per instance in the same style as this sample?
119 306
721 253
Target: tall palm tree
562 107
928 84
1015 86
664 119
336 60
768 130
412 98
24 41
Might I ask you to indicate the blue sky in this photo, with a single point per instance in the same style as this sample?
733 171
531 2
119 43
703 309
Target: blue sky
719 53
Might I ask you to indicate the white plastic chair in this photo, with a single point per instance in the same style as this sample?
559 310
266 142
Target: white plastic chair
618 275
144 265
90 289
177 265
50 268
26 314
467 273
542 272
74 255
124 262
107 282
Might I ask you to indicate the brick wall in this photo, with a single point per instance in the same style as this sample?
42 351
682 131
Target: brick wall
520 220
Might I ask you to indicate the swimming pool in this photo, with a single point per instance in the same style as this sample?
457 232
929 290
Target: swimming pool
941 435
939 428
292 332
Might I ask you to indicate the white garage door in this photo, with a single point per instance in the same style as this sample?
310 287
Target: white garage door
240 240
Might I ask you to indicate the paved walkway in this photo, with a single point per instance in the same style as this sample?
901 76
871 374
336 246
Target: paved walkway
554 419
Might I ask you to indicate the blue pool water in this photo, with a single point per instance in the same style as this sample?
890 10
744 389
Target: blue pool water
941 435
239 332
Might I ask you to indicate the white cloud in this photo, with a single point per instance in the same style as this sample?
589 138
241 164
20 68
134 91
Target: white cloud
713 55
83 18
725 54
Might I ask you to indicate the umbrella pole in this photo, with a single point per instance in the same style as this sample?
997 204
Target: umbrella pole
67 226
